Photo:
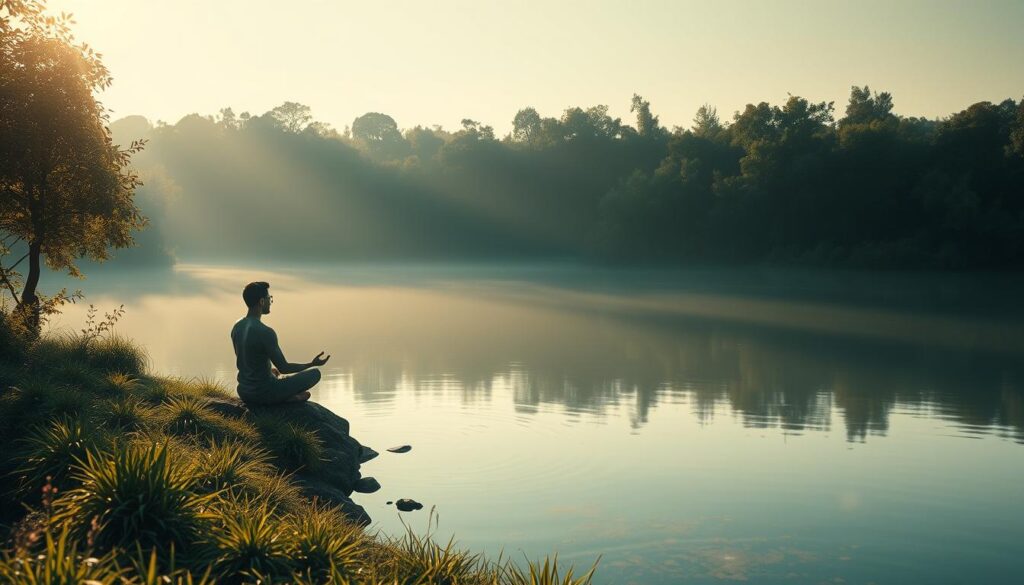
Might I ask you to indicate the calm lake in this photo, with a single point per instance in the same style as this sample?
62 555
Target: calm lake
701 427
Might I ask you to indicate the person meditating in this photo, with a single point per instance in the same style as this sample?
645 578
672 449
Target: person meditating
256 347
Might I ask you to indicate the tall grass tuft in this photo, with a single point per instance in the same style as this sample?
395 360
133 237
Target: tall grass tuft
18 402
326 545
37 397
49 452
101 354
546 573
294 447
210 388
418 559
114 353
12 339
231 466
176 387
77 374
184 416
187 416
9 372
155 392
148 571
120 384
51 351
61 401
276 489
135 495
249 542
127 414
60 563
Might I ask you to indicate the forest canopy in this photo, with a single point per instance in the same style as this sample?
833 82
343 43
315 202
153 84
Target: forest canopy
795 183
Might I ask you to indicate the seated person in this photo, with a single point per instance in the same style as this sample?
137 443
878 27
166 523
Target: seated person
256 347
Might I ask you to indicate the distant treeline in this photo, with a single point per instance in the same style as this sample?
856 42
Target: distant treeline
780 184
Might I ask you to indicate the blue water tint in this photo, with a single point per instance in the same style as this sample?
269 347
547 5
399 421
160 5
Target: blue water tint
684 433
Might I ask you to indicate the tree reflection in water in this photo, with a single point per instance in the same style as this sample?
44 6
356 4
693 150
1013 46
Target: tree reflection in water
583 345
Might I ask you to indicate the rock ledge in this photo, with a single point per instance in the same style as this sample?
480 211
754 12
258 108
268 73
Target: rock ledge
335 480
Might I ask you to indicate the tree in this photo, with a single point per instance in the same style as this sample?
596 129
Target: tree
425 143
864 108
228 119
594 122
1017 136
293 116
526 126
380 137
67 193
375 127
706 123
646 122
475 130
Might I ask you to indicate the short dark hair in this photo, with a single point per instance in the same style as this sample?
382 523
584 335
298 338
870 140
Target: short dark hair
253 292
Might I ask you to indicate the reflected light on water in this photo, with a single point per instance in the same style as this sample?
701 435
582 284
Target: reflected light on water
685 437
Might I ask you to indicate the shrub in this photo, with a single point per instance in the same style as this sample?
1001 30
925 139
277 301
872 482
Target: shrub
137 495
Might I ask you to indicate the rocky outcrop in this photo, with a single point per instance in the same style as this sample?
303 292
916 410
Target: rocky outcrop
339 475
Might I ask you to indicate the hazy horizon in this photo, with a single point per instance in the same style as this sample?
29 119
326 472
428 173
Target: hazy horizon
485 62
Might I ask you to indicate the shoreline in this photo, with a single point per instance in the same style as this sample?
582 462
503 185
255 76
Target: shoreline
115 473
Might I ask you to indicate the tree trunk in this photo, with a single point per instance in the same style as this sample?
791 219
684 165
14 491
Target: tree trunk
29 299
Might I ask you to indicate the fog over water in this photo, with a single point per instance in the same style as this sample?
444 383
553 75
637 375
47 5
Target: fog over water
688 427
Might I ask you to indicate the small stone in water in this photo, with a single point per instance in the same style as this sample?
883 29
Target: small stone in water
401 449
390 502
406 505
366 485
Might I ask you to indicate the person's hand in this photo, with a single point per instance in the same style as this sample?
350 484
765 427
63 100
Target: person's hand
319 361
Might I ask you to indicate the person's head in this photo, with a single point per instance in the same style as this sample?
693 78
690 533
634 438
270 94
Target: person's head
257 297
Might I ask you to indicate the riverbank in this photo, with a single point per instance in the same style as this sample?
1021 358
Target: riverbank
117 475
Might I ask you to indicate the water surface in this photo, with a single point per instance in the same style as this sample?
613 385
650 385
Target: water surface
698 427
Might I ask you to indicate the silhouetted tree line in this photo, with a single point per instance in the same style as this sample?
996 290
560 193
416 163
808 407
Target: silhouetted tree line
785 184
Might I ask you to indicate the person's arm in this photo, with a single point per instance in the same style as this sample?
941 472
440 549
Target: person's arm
284 366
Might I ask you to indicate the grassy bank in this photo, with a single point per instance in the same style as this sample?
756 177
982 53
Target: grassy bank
110 474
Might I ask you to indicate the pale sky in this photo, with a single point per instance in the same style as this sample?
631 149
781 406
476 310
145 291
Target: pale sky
438 61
